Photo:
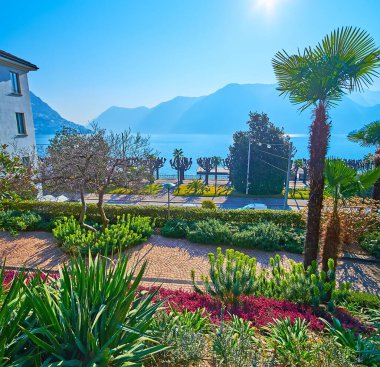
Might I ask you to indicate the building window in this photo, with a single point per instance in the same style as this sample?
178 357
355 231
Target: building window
15 79
26 162
21 128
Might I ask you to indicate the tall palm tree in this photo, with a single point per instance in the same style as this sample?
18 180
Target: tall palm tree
344 61
177 155
342 182
367 136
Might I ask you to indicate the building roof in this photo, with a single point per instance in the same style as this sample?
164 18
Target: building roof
10 57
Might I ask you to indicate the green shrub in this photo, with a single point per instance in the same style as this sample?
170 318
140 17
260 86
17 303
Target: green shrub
284 218
176 228
15 221
264 236
185 333
235 344
234 274
126 232
371 243
363 299
210 231
208 204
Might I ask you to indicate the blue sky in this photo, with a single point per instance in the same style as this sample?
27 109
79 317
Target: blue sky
94 54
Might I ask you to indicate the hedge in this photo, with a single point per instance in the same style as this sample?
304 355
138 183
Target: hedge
52 209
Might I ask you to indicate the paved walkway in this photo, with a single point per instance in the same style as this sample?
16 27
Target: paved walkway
170 261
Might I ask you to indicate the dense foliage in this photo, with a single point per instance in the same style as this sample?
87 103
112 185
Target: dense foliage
16 176
268 143
371 243
265 236
91 315
14 221
126 232
288 218
234 274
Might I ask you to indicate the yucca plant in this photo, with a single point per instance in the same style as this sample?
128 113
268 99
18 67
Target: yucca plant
289 341
14 311
367 349
93 315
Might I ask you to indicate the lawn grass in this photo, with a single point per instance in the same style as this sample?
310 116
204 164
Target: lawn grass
149 189
210 191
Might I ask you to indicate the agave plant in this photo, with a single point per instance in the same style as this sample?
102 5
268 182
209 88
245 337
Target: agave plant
92 315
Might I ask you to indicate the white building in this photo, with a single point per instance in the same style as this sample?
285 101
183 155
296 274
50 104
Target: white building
16 119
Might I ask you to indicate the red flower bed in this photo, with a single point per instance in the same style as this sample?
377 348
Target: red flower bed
9 275
259 310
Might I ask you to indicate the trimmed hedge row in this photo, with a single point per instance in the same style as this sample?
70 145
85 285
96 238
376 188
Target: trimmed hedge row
159 213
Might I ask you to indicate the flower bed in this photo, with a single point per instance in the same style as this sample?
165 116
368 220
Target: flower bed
259 310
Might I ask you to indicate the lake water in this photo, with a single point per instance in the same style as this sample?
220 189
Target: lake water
197 145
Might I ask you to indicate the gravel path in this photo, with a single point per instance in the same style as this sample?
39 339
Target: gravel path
170 261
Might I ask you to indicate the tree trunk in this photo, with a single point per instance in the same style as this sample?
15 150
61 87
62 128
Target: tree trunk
102 213
318 142
206 177
157 174
331 241
376 186
83 213
216 178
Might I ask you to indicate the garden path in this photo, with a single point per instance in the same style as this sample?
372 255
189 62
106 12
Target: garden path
170 261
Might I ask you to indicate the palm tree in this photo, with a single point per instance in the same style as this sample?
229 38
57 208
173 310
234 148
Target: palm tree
216 161
342 182
177 155
367 136
344 61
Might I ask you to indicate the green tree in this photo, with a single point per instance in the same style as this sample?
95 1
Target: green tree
177 155
342 182
367 136
16 177
268 158
344 61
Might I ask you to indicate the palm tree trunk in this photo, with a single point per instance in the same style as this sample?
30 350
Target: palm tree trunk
376 187
331 240
318 143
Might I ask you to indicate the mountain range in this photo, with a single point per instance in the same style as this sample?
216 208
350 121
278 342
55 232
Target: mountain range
226 110
222 112
47 121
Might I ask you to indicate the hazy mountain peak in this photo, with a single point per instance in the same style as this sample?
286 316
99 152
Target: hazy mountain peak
48 121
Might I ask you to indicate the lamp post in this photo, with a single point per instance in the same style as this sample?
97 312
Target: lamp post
292 151
248 161
168 186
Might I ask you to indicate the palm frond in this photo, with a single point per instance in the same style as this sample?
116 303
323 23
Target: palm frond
344 61
367 136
